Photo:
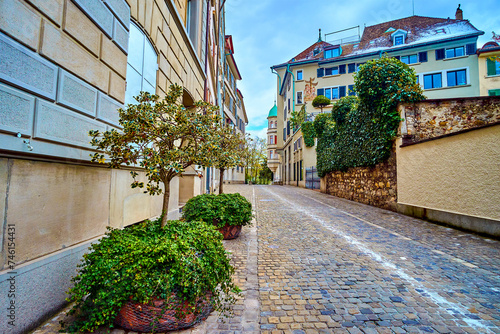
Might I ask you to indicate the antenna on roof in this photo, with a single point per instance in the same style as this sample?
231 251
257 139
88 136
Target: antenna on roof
319 38
413 6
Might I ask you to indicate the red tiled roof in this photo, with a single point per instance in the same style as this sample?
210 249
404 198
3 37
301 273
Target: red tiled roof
309 52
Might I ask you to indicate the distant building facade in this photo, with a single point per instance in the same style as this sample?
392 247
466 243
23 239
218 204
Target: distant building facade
489 69
442 52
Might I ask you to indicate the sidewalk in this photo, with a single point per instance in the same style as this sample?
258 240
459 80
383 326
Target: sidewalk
246 310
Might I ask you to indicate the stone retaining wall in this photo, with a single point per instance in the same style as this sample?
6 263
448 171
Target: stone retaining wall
435 118
375 185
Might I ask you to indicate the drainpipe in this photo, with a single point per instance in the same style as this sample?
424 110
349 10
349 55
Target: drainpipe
293 85
274 71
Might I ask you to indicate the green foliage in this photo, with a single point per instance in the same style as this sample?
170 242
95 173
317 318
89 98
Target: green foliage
319 123
265 174
149 261
342 108
321 101
298 117
222 209
308 133
161 136
365 127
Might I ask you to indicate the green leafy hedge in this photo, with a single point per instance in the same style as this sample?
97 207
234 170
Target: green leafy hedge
231 209
308 133
148 261
363 128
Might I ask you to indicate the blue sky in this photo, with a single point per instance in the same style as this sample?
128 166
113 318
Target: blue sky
270 32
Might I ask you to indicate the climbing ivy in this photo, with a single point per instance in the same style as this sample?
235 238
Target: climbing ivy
363 128
308 133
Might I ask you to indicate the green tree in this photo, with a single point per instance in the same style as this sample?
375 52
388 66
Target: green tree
161 136
255 153
321 101
265 174
298 117
229 151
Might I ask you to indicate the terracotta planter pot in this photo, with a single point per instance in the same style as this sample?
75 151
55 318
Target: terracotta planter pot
230 231
161 316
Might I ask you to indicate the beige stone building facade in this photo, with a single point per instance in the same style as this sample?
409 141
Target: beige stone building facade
66 66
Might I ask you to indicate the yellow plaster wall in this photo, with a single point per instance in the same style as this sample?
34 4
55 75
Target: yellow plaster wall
457 174
487 82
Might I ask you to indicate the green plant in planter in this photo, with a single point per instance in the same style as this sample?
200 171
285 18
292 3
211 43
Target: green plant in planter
147 262
222 209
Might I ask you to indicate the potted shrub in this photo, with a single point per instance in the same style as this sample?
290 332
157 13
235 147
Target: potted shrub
149 278
228 212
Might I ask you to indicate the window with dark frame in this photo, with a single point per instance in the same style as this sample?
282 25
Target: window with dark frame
433 80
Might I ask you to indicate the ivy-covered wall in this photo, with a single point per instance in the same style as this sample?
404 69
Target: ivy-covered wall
376 185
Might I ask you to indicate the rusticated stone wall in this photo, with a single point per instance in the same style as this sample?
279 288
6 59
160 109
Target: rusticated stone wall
375 185
435 118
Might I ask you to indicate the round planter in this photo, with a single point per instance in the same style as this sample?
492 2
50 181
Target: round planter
162 316
230 231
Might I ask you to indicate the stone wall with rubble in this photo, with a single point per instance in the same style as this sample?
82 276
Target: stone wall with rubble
375 185
447 162
434 118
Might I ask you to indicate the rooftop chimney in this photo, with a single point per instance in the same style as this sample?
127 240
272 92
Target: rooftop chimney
459 14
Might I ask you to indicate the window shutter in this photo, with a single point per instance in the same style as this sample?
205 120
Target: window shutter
439 54
351 68
490 65
470 49
321 72
422 57
287 128
342 69
284 134
341 91
397 57
321 91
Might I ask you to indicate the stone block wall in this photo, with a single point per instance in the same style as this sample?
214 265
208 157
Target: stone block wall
435 118
375 185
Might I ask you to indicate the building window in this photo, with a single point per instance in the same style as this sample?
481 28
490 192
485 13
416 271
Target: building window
455 52
332 93
351 91
493 67
332 53
456 78
411 59
432 81
399 40
299 98
351 68
142 63
299 75
332 70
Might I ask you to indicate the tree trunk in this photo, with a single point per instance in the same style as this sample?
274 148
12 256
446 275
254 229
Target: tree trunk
221 179
166 197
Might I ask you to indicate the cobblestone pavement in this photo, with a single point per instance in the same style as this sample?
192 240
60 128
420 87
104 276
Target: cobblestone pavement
328 265
314 263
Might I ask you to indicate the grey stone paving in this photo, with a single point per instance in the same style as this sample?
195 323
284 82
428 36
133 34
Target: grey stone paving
314 263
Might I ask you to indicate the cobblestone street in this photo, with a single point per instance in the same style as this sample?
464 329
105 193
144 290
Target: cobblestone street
314 263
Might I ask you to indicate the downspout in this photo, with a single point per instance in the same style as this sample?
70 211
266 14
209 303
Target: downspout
274 71
293 85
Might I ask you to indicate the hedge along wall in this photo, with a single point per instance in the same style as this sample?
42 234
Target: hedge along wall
375 185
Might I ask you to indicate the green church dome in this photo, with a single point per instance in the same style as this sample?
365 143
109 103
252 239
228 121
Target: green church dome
273 112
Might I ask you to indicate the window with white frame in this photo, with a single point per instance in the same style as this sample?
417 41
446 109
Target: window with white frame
455 52
456 78
299 98
332 70
332 93
299 74
433 80
142 64
410 59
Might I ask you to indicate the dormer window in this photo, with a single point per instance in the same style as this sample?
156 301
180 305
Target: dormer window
398 37
332 53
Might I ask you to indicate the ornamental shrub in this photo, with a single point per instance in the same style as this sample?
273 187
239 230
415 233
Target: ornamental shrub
366 126
308 133
319 123
222 209
149 261
321 101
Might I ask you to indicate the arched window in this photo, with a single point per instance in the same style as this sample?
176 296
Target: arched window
142 64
